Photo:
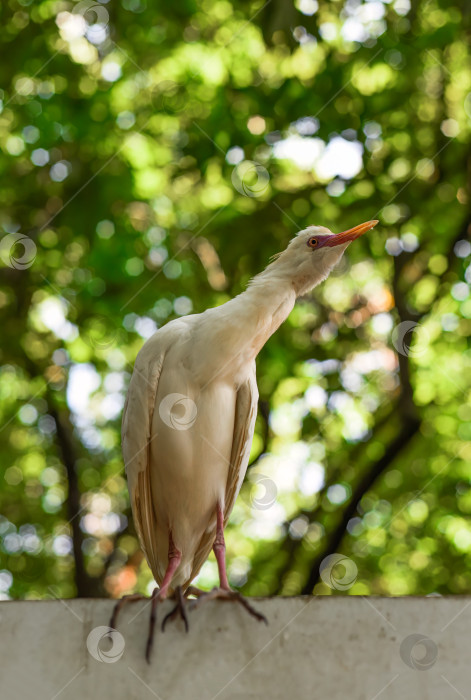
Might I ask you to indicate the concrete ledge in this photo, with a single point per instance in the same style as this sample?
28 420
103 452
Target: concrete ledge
322 647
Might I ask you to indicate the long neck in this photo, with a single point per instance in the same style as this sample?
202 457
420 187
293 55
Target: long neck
264 305
240 327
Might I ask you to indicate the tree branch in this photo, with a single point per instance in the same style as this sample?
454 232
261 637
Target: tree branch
410 422
405 436
292 545
87 587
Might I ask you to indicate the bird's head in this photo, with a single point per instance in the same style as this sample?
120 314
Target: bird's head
314 252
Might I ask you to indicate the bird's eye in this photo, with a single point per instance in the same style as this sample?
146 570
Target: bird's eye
312 242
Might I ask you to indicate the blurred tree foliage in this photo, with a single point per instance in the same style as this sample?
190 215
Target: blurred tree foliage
153 156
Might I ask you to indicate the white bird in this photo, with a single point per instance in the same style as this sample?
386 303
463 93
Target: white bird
190 412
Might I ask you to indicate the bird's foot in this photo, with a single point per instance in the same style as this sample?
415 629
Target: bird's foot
228 594
155 598
180 607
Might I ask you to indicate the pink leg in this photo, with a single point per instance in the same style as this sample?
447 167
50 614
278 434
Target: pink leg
224 592
174 559
219 548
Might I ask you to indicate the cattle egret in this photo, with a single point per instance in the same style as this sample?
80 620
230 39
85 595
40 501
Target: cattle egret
189 419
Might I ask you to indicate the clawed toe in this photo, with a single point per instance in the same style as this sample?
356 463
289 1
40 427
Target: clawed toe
179 609
154 599
133 598
152 621
250 609
227 594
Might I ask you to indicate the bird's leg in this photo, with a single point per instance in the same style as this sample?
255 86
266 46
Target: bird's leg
159 594
174 559
225 592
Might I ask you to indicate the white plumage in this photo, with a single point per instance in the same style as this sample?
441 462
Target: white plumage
191 406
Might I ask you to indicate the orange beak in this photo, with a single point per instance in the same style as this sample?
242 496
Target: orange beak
351 234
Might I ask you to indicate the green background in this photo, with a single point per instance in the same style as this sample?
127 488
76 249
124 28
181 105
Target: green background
143 156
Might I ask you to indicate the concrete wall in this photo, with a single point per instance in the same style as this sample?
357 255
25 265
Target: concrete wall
321 647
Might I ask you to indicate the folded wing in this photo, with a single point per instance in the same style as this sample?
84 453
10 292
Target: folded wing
136 440
244 425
